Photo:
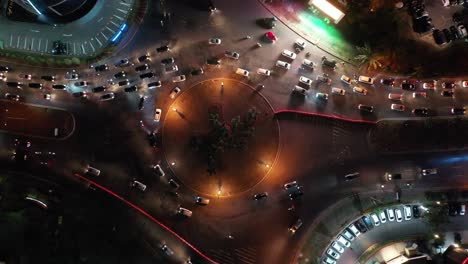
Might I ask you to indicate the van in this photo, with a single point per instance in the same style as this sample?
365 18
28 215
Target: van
92 171
56 132
407 212
242 72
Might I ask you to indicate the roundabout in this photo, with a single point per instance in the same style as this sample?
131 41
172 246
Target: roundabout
236 167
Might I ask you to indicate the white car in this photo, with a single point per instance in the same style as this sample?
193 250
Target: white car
309 63
232 54
431 171
184 212
242 72
338 91
429 85
383 217
399 215
179 78
289 54
354 230
262 71
332 253
171 68
139 185
420 94
157 168
157 114
174 92
301 43
365 79
322 96
397 107
390 214
299 90
214 41
283 64
71 76
337 247
407 212
346 79
360 90
347 235
462 30
329 260
25 76
343 241
464 84
153 85
305 80
375 219
395 97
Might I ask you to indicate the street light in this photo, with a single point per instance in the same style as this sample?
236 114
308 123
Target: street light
438 202
174 109
173 163
436 236
382 186
456 245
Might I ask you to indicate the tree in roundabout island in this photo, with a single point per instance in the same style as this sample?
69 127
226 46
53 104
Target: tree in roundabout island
223 135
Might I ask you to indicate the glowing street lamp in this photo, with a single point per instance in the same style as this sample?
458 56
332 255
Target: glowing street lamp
436 236
173 163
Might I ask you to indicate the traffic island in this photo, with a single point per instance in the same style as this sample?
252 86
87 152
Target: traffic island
220 138
35 121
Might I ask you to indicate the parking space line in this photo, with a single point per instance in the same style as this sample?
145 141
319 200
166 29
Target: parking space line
25 41
32 44
123 11
113 31
39 48
118 17
125 4
97 39
11 40
74 48
91 44
17 42
46 44
104 35
113 23
83 49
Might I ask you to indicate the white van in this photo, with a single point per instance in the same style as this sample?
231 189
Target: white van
407 212
242 72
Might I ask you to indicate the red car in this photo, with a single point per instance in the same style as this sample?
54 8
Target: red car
271 36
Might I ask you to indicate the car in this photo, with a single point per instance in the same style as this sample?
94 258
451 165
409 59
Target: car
322 96
147 75
399 215
242 72
153 85
35 85
296 194
464 84
447 93
25 76
80 94
81 84
141 103
283 64
14 84
4 68
328 260
305 81
158 170
131 89
420 111
48 78
100 68
393 176
289 54
290 185
419 94
332 253
328 63
173 184
323 78
297 90
139 185
448 85
111 82
390 214
300 43
388 82
214 41
407 85
360 225
260 196
98 89
347 235
163 48
351 176
343 241
458 110
107 97
271 37
448 35
407 212
395 97
3 77
375 219
201 200
264 72
167 250
92 171
174 92
184 212
397 107
382 217
123 63
365 108
124 82
354 230
143 58
453 209
157 114
366 79
141 68
169 60
13 97
269 22
337 247
72 76
293 229
309 63
360 90
346 79
429 85
416 212
179 78
59 86
430 171
461 28
338 91
120 75
171 68
232 54
213 61
198 71
455 33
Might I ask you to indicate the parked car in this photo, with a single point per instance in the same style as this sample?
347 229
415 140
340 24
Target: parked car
366 108
300 43
147 75
171 69
390 214
35 85
297 90
173 184
242 72
4 69
398 107
263 72
169 60
447 93
120 75
421 111
123 63
163 48
419 94
157 114
338 91
124 82
388 82
305 81
232 54
260 196
293 229
382 217
354 230
309 63
322 96
214 41
328 63
289 54
343 241
59 86
408 85
80 94
153 85
448 85
144 58
48 78
131 89
213 61
337 247
139 185
464 84
107 97
407 212
13 97
271 37
100 68
98 89
167 250
395 97
283 64
201 200
399 215
351 176
348 235
184 212
429 85
360 90
174 92
458 110
346 79
366 79
141 68
198 71
81 84
416 212
179 78
25 76
71 76
429 171
269 22
141 102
